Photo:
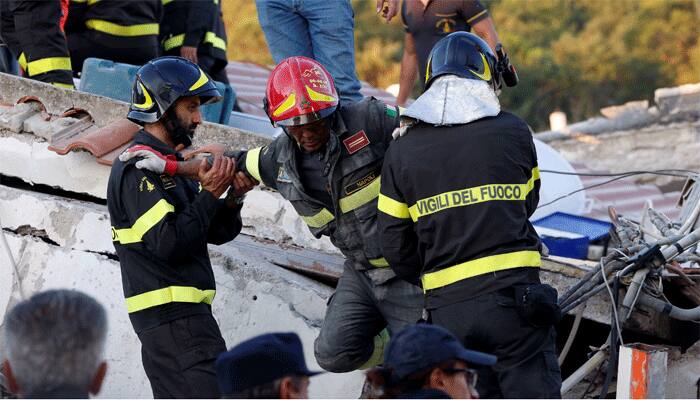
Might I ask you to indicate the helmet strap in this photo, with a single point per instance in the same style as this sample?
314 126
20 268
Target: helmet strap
179 133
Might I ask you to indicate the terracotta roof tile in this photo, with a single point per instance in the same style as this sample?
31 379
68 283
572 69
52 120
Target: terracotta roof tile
102 142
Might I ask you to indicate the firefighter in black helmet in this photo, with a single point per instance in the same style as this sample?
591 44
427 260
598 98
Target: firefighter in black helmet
458 186
161 225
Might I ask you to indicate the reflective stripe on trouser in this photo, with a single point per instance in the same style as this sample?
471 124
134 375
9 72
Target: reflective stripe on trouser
170 294
209 38
143 224
122 30
469 269
44 65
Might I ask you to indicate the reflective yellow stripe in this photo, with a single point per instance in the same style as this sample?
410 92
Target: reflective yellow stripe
215 41
179 40
316 96
252 163
49 64
122 30
63 85
200 81
286 105
473 195
320 219
91 2
469 21
170 294
389 206
22 60
78 1
402 110
484 265
165 2
143 224
361 197
379 262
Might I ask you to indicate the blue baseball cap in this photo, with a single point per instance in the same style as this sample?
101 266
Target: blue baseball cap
422 346
261 360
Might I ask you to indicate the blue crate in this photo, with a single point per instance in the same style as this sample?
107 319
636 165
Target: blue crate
115 80
592 229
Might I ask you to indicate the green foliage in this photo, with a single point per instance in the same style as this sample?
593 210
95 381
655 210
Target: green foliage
572 55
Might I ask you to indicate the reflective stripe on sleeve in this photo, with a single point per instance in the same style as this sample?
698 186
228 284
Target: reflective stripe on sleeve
252 163
122 30
361 197
474 195
484 265
318 220
170 294
48 64
143 224
379 262
389 206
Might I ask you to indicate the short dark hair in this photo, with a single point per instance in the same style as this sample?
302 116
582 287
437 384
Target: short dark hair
387 388
270 390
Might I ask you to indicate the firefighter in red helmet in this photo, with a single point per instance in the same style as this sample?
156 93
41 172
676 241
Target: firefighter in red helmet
328 167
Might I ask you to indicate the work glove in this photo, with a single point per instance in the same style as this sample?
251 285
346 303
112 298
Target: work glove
151 160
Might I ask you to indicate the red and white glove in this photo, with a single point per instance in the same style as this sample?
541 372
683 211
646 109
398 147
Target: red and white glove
151 160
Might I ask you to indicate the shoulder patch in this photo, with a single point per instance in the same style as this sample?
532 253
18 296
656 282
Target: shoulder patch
282 176
356 142
390 111
168 181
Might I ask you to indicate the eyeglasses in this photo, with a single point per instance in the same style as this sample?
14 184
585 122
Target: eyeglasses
471 375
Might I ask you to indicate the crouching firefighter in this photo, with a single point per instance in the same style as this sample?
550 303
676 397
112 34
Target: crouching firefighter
457 190
161 225
328 166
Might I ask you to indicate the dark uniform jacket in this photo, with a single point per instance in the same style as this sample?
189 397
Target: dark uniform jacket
194 23
454 207
160 227
360 135
117 23
32 32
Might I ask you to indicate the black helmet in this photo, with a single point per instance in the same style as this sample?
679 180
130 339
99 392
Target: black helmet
463 54
161 82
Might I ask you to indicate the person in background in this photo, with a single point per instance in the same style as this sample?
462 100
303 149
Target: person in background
194 30
319 29
120 31
54 346
427 361
42 53
269 366
426 22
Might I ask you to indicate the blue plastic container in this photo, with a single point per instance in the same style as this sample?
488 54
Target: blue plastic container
569 235
115 80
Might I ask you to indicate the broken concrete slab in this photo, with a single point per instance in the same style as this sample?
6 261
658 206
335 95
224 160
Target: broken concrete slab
13 118
684 99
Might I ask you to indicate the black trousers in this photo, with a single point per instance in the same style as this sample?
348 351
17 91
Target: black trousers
179 357
215 67
82 47
527 362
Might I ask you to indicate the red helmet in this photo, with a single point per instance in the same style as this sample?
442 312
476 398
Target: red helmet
299 91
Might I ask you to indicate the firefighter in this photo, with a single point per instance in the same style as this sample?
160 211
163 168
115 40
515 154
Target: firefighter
456 194
161 225
116 30
328 166
194 29
32 31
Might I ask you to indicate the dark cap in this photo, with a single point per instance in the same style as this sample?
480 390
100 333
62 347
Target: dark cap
422 346
260 360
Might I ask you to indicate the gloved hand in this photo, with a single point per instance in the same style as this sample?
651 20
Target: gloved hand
151 160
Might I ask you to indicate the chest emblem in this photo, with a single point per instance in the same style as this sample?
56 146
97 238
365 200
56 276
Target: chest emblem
283 176
356 142
146 185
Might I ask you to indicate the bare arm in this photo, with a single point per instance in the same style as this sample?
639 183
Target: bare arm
409 70
487 31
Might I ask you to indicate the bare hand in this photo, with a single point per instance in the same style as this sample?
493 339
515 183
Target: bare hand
242 183
189 53
388 8
217 178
